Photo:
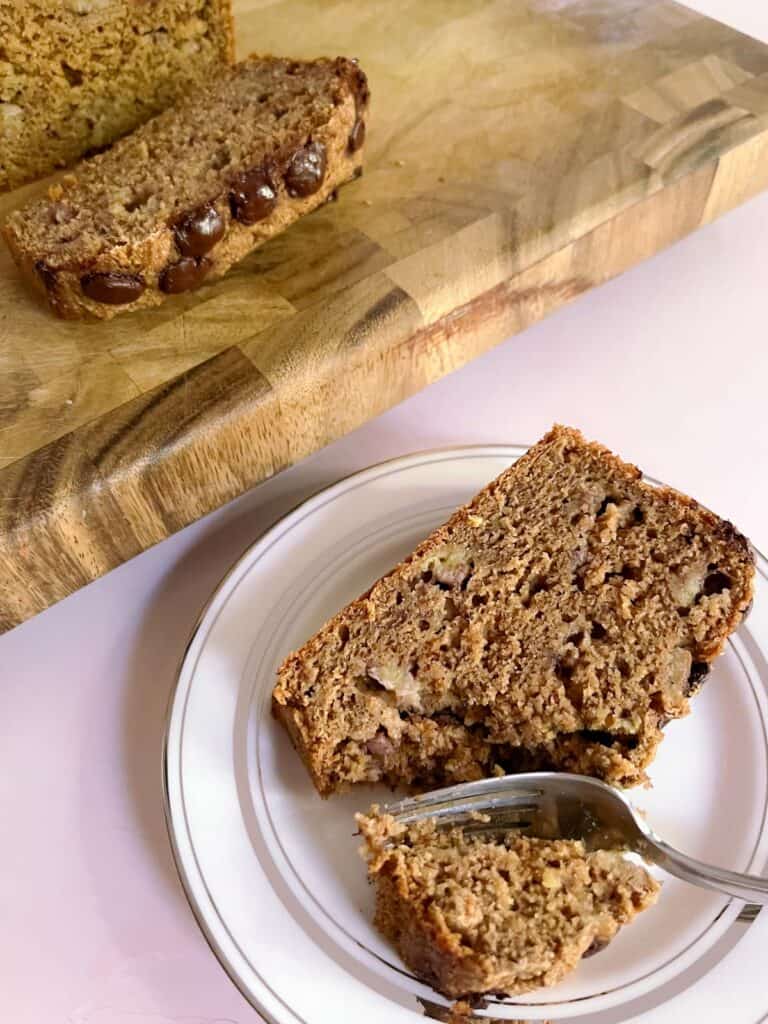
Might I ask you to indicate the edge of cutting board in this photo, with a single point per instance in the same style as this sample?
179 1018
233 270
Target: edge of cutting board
112 488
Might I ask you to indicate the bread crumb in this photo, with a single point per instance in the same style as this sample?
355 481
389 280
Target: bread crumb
520 922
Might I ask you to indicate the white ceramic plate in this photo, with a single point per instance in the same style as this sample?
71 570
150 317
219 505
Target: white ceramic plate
272 872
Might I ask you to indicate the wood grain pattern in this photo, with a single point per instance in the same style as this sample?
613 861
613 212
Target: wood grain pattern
520 153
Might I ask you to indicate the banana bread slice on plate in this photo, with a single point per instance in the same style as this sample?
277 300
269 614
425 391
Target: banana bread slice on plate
77 74
195 189
558 621
473 915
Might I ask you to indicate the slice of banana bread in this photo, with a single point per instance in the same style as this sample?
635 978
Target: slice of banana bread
77 74
557 621
195 189
471 914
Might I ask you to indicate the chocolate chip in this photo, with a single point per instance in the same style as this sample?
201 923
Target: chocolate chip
356 136
358 172
596 946
185 275
699 672
198 232
306 170
253 195
716 583
46 275
112 287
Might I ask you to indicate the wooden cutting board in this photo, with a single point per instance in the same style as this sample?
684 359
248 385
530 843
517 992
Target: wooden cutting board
519 153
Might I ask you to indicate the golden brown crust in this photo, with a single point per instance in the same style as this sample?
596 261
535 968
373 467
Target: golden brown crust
557 621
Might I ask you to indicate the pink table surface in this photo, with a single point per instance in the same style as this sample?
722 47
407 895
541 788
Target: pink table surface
668 365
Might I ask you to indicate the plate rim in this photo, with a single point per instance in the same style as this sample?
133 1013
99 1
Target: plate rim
492 449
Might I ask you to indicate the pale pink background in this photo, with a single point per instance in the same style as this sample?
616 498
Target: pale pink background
668 365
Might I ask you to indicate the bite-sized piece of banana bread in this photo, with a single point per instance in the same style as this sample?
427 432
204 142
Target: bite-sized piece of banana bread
188 194
472 914
77 74
556 622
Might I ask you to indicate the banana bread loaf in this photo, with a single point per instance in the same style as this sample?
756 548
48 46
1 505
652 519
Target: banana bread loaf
556 622
196 188
472 915
77 74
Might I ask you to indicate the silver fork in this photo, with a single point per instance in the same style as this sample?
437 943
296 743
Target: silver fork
555 805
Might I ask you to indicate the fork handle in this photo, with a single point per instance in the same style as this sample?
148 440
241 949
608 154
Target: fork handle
750 888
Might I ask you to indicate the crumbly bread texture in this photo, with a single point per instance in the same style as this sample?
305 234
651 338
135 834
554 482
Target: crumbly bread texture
558 621
77 74
470 914
188 194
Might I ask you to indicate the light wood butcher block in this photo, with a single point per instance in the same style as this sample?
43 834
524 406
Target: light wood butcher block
519 153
